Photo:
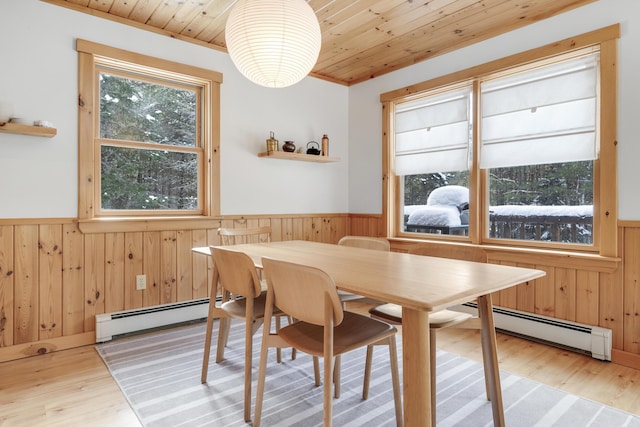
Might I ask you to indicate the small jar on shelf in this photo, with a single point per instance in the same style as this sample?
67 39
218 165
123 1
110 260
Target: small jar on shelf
325 145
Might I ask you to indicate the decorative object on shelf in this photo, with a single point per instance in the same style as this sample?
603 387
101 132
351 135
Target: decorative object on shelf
273 43
325 145
6 111
272 143
43 123
313 150
19 121
289 147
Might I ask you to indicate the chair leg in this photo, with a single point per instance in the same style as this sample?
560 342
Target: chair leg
316 370
278 350
328 399
432 362
395 379
485 364
248 359
293 349
262 370
336 377
395 376
367 372
222 342
207 348
227 328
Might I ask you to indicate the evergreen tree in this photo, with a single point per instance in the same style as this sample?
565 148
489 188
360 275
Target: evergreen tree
153 176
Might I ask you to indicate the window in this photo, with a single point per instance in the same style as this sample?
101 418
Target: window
148 152
509 152
163 172
432 141
538 144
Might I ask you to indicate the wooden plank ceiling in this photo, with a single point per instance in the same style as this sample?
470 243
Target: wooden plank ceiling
361 39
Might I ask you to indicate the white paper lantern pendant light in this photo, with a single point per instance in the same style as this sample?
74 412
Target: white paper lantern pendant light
274 43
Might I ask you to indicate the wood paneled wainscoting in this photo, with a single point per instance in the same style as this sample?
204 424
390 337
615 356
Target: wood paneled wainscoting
583 288
54 279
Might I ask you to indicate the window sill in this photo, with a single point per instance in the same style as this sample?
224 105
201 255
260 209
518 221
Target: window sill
588 261
135 224
557 258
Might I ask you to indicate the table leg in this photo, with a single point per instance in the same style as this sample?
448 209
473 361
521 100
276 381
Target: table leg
416 370
490 354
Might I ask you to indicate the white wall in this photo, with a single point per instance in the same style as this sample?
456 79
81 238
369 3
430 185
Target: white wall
38 74
365 158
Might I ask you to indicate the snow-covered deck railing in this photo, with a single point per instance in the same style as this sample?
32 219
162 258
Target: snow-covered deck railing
570 224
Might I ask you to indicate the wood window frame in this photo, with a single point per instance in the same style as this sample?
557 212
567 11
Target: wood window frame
91 56
605 184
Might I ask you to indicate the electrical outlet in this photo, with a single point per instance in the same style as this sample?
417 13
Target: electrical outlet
141 282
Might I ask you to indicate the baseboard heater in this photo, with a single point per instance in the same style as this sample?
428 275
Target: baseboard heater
592 340
127 322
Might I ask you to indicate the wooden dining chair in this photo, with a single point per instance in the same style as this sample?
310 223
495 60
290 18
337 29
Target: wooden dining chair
375 243
242 298
235 236
439 320
323 328
363 242
241 235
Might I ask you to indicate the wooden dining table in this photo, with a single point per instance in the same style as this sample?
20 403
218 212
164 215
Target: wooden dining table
421 285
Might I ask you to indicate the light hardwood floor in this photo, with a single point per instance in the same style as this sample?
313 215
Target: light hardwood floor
73 387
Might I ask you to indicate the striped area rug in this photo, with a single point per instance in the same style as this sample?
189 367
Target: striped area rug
159 373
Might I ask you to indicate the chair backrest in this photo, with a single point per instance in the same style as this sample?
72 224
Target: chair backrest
236 272
467 253
234 236
298 291
376 243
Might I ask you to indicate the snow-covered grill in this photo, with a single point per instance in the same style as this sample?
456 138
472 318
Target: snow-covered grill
446 212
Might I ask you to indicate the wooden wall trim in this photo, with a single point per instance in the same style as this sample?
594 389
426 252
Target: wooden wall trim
626 223
588 262
36 348
259 216
132 23
35 221
625 358
578 260
98 49
14 221
109 225
570 44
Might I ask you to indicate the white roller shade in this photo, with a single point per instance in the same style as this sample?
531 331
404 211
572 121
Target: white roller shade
545 115
432 134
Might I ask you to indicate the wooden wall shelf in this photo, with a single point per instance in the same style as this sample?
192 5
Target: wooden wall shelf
28 130
298 156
